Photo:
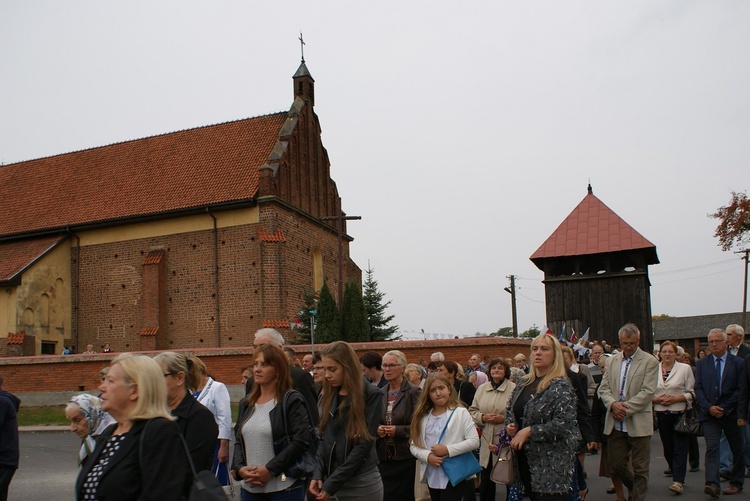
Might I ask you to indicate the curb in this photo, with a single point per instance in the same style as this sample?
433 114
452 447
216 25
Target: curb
42 428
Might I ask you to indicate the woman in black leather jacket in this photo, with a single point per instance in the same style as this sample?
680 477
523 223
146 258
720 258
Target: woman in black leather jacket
262 455
347 463
397 466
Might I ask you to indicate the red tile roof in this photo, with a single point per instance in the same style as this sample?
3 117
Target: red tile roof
591 228
149 331
16 338
154 257
17 256
185 169
265 236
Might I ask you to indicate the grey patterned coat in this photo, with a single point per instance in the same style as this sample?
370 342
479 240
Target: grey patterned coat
552 445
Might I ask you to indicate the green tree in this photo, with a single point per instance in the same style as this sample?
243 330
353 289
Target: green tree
734 222
304 316
380 330
531 332
354 326
504 332
328 325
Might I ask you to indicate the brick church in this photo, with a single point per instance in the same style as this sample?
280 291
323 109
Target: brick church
195 238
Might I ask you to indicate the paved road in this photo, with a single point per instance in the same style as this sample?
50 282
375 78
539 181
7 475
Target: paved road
48 472
48 467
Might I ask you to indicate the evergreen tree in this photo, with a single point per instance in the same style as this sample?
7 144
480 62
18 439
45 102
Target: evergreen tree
375 307
328 326
354 326
304 316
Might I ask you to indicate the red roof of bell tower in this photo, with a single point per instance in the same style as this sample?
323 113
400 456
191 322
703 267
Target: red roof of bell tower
591 228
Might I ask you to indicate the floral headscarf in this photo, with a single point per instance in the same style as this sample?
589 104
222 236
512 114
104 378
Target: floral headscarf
97 419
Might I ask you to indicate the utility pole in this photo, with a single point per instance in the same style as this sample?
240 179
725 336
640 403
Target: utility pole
512 291
340 219
744 294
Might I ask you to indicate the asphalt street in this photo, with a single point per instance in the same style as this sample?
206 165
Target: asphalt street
48 471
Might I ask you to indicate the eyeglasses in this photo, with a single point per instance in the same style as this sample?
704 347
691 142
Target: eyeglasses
717 341
390 366
170 374
317 369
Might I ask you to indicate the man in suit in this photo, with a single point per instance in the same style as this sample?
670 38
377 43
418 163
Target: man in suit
719 379
626 391
737 347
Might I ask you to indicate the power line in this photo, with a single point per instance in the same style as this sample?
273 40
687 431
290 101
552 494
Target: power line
691 268
541 302
694 278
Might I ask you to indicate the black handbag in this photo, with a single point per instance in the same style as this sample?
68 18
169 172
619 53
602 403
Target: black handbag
305 465
205 487
688 423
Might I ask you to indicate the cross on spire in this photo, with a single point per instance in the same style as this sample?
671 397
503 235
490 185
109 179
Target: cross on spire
302 45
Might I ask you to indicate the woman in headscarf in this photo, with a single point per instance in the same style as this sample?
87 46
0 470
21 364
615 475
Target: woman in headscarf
88 421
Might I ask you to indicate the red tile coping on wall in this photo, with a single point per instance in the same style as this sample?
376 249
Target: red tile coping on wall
15 338
154 257
265 236
149 331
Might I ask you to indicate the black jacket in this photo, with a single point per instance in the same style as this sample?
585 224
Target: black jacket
198 426
403 410
161 477
339 459
298 420
9 405
465 391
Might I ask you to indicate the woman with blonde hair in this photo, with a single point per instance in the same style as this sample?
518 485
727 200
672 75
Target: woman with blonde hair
347 462
196 423
441 428
397 466
673 396
541 420
215 396
142 457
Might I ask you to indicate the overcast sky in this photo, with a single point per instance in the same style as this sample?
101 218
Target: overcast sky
463 133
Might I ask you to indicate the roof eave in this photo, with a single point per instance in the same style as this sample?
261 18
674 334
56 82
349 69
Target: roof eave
104 223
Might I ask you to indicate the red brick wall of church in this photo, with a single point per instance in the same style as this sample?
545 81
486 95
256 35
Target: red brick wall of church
71 372
112 286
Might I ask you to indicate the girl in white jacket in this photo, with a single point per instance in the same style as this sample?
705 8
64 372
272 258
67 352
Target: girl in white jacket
439 406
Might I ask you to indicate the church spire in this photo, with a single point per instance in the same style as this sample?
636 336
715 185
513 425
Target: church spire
304 84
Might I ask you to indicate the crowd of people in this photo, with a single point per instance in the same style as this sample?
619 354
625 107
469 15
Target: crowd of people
335 425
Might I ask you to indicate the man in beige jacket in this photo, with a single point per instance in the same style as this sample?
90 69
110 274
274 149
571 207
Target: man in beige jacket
626 391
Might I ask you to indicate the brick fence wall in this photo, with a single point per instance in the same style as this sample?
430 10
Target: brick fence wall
55 373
